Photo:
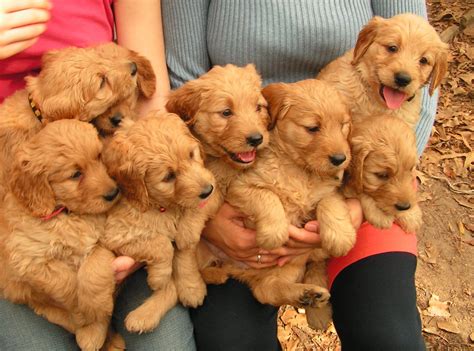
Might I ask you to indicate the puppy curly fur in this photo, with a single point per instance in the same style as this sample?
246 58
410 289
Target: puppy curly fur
168 196
56 266
75 83
381 174
299 172
404 46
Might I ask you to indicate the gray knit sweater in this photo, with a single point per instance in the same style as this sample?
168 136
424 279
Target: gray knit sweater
287 40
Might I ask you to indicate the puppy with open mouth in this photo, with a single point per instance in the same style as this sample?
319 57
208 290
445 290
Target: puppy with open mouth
227 112
392 60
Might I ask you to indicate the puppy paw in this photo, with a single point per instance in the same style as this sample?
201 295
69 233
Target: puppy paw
214 275
142 320
92 336
319 318
338 239
272 236
314 297
115 342
381 221
410 221
191 293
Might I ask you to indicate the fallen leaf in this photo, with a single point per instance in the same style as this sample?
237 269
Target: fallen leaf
449 33
288 315
437 308
471 336
449 326
431 330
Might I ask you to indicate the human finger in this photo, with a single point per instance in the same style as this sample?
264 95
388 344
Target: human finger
122 263
17 5
289 251
21 34
304 236
262 261
15 48
24 18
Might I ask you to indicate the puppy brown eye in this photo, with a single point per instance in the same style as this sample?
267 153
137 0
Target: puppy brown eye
424 61
382 175
76 175
392 48
259 108
226 113
191 155
169 177
313 129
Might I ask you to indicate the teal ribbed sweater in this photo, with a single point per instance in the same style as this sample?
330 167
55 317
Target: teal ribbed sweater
288 40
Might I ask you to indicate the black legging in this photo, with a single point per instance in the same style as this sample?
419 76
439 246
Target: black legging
374 303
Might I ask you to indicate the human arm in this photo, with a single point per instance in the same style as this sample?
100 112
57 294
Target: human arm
139 28
21 23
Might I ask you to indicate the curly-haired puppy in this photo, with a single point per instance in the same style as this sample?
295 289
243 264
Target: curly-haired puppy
99 83
296 179
167 198
226 111
392 59
53 218
382 175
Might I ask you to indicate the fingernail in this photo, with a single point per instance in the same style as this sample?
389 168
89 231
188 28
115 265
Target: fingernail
311 227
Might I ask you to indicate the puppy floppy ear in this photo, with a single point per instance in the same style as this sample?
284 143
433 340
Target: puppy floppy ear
29 183
185 101
366 38
439 69
146 75
118 157
278 104
360 151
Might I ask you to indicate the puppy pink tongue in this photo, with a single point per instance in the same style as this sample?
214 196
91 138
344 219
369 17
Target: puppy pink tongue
393 98
247 156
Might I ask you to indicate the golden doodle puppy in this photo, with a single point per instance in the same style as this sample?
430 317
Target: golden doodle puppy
52 220
226 111
295 180
392 60
100 83
167 198
382 173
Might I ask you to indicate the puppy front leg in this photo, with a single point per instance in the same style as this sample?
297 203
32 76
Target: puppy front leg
265 209
374 214
189 283
410 220
320 317
189 230
96 285
157 254
337 232
146 317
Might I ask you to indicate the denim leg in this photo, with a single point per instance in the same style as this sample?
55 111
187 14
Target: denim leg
175 331
23 330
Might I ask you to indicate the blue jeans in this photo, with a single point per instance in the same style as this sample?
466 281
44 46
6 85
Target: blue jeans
22 330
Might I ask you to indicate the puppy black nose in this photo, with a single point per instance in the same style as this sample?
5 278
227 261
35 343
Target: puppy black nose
116 119
402 206
112 195
133 68
402 79
255 139
337 159
206 191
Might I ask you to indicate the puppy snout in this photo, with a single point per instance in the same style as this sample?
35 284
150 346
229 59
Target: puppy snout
116 119
206 191
402 206
337 159
110 196
255 139
133 68
402 79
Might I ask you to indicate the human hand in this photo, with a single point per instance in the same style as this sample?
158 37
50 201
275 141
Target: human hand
123 266
305 239
21 23
155 103
226 231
